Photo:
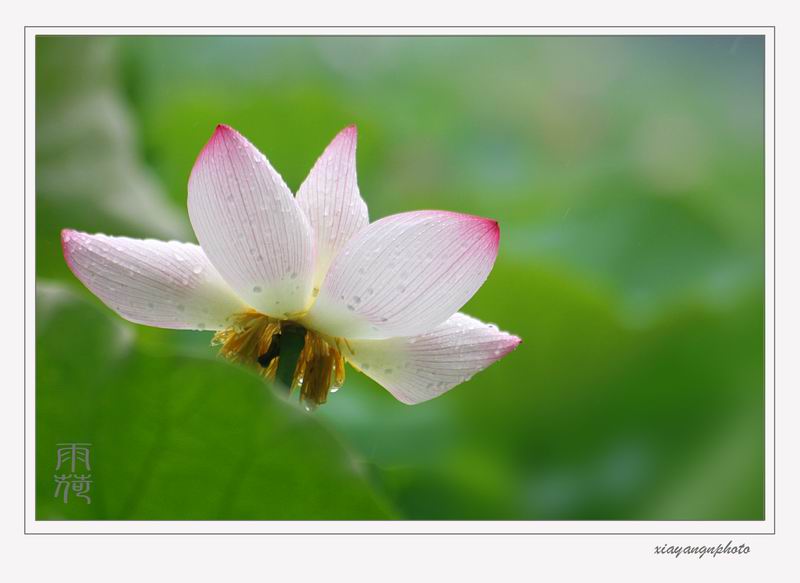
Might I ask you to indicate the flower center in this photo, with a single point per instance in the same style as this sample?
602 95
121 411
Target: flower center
260 342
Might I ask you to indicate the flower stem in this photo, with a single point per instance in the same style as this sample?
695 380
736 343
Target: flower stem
292 341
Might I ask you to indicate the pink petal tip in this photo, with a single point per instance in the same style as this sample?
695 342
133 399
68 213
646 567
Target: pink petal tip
492 227
347 135
221 131
509 345
66 236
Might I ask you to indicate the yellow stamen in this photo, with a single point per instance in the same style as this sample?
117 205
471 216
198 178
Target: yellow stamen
249 337
320 368
253 339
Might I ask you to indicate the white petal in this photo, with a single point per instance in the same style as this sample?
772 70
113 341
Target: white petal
330 198
250 225
405 274
168 285
422 367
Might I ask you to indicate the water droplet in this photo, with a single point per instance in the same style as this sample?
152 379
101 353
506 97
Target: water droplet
257 289
197 269
350 307
356 299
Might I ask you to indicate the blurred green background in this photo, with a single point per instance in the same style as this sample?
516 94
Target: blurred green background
627 176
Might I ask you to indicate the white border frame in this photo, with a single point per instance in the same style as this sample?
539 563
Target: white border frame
767 526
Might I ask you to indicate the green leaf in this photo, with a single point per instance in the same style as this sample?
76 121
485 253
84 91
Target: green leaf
176 437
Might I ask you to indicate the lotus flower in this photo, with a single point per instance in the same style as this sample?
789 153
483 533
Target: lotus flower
307 280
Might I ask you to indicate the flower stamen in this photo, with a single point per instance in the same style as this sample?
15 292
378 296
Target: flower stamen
249 339
320 369
254 339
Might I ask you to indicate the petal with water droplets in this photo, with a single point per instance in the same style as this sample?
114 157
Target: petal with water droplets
405 274
157 283
250 225
418 368
330 198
